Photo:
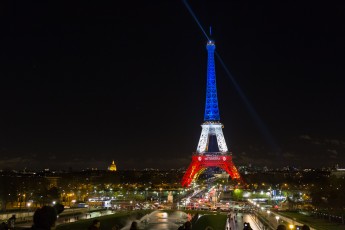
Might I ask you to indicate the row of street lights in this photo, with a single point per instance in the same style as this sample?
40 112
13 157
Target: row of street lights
291 226
268 212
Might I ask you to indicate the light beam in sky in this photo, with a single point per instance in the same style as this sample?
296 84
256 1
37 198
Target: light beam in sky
262 127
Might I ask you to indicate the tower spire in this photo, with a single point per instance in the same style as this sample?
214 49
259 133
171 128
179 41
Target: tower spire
211 107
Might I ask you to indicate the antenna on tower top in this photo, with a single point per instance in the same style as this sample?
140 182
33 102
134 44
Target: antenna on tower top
210 30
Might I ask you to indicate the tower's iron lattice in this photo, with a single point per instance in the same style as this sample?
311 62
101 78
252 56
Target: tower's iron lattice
208 154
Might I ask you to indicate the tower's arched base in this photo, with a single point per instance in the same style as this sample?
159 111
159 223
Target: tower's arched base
201 162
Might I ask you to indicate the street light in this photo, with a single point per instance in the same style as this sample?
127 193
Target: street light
89 205
146 194
178 200
28 204
73 205
277 218
291 226
24 199
160 195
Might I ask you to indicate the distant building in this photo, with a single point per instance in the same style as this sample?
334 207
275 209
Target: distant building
338 173
52 181
112 167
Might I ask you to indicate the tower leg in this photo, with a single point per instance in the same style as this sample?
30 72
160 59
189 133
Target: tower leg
230 168
191 172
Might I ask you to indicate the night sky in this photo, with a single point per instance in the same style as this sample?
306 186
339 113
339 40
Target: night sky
83 84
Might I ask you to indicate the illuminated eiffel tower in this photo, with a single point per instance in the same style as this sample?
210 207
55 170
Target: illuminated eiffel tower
212 150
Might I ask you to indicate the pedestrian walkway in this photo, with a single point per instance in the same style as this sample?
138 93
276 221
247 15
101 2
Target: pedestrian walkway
235 221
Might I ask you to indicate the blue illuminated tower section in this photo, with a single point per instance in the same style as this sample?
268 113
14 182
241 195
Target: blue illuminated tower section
211 108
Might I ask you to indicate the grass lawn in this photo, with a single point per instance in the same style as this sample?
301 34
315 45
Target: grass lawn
215 221
319 224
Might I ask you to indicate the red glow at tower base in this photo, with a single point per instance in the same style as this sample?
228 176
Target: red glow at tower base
201 162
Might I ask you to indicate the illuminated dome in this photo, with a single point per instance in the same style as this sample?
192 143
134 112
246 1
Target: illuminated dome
112 167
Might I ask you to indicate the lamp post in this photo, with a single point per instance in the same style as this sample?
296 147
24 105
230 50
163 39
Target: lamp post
28 204
73 206
160 195
178 200
146 194
277 218
24 199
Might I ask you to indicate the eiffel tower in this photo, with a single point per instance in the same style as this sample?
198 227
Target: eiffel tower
212 150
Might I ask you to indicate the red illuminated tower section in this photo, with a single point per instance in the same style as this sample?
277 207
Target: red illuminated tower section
212 150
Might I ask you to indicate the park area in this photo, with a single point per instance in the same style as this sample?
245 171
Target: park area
152 220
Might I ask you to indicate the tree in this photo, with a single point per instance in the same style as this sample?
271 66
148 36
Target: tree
8 191
53 194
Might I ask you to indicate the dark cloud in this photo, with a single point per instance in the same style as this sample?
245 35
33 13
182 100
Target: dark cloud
305 137
333 153
13 163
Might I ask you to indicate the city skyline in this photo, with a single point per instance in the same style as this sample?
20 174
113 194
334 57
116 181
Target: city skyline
84 84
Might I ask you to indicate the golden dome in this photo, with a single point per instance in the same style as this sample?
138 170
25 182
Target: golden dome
112 167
